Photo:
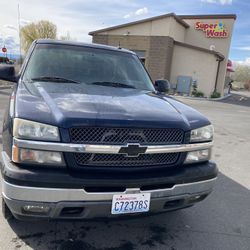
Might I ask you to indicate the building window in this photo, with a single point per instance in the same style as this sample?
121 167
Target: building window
141 54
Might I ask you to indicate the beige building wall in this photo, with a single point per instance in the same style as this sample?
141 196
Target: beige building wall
222 45
166 26
161 27
140 29
201 66
177 31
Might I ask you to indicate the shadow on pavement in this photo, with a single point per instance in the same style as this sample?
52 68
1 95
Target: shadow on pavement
219 222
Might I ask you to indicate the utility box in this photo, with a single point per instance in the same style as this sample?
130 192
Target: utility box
184 84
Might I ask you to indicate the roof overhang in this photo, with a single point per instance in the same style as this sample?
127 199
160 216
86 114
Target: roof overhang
216 16
177 18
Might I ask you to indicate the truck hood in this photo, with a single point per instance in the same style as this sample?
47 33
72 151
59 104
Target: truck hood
66 105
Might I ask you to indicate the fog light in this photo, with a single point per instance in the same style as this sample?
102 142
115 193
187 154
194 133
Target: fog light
197 198
198 156
38 209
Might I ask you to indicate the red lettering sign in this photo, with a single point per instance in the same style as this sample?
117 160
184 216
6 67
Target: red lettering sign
212 30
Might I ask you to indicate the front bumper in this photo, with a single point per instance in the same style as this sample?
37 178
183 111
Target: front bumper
67 196
79 204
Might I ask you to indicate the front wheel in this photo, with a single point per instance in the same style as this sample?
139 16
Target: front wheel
6 211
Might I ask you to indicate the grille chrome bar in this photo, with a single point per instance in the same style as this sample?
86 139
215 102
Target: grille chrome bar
106 149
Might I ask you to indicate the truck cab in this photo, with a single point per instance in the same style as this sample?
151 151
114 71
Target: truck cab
88 134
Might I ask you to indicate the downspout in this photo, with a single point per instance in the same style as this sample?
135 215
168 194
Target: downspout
219 60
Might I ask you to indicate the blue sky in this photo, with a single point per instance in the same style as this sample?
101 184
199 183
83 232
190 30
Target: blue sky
81 16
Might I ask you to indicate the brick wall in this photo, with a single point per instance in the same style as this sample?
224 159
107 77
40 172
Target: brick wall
130 42
160 57
101 39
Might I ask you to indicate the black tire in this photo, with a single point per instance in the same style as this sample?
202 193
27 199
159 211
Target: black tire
6 211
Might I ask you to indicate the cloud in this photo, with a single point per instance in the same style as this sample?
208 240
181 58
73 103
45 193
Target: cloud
222 2
78 17
24 22
10 43
245 62
9 38
127 16
10 26
139 12
245 48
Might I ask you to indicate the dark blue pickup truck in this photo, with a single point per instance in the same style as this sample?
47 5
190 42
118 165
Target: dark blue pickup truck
87 134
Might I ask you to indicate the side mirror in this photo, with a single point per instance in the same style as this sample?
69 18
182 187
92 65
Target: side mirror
163 86
7 73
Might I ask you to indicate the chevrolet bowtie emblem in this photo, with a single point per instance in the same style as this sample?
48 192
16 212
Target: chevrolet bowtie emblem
133 150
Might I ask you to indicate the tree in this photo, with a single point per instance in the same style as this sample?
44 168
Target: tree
31 32
67 37
242 73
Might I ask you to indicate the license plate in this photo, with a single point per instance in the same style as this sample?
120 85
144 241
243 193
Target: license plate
130 203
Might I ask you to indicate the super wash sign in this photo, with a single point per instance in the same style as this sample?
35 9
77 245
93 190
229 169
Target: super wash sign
212 30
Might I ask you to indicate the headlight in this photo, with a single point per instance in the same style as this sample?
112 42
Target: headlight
198 156
202 134
30 156
25 129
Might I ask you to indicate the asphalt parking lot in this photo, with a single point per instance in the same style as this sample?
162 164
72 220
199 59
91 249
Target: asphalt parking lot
222 221
241 98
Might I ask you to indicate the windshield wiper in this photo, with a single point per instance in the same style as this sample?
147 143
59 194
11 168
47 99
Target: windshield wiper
113 84
53 79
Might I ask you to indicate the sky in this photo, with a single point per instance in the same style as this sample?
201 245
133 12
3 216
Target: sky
79 17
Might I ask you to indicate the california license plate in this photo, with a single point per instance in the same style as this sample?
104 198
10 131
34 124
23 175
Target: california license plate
130 203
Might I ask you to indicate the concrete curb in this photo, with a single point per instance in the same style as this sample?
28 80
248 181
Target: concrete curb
204 98
220 98
6 87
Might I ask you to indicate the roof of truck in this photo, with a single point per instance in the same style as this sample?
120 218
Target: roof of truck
90 45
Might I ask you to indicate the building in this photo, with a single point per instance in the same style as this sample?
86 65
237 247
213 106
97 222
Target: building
184 49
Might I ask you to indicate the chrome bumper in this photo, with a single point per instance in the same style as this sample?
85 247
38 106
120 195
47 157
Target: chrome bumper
59 194
61 202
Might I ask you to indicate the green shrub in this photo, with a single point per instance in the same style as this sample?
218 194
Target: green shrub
197 93
215 95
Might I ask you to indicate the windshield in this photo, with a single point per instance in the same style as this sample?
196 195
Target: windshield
87 66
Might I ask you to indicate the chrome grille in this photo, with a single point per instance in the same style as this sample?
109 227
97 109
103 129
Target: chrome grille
120 160
126 135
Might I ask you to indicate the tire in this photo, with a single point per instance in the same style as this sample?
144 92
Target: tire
6 211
